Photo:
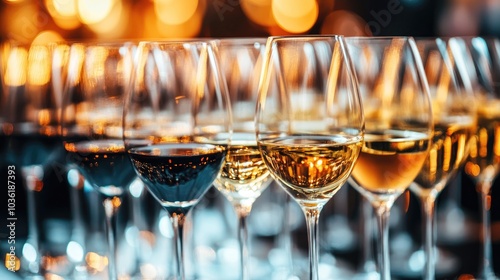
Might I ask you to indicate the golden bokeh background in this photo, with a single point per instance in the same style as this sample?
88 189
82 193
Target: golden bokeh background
46 20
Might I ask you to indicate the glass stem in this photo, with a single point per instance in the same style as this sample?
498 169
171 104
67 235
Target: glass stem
32 179
111 206
383 211
368 264
428 203
286 235
78 233
486 269
137 190
243 212
312 219
178 225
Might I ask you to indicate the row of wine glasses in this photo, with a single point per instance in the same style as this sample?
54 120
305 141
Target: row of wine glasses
389 114
32 80
454 125
483 163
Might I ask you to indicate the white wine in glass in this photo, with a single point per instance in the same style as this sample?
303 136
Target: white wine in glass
309 123
244 175
398 126
454 124
483 163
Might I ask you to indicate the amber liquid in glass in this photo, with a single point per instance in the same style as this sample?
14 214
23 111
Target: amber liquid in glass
390 160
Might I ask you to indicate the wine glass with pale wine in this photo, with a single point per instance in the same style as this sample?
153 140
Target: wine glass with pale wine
483 162
454 124
244 175
309 123
398 126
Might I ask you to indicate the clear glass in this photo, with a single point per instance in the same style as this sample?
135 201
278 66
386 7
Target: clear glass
309 123
483 163
367 269
454 125
244 175
398 126
32 78
98 77
177 127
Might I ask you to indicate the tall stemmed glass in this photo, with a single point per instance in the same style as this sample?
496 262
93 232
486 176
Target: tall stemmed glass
244 175
30 137
98 77
398 123
483 163
454 124
177 126
310 126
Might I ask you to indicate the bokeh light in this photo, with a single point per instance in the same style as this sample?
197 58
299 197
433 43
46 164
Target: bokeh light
64 13
39 65
94 11
345 23
296 16
187 29
259 11
65 8
17 60
48 36
115 24
174 12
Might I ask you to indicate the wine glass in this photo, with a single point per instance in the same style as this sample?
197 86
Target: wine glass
98 77
177 127
483 163
398 123
244 175
454 124
31 80
309 122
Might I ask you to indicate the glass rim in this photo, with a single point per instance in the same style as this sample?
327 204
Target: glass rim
305 37
379 38
173 43
239 41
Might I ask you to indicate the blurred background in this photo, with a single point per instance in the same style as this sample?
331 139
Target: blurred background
458 215
27 20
